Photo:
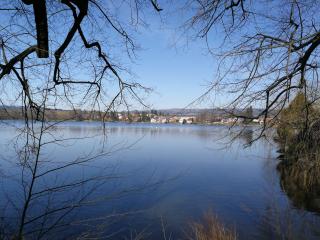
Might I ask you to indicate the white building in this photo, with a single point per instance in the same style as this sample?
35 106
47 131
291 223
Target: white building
187 120
153 120
229 120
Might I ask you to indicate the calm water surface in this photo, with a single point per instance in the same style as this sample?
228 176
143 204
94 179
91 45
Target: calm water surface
161 175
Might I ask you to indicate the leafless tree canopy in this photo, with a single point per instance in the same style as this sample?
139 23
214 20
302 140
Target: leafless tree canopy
269 49
69 48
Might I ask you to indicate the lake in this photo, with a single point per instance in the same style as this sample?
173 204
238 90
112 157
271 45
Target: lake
153 177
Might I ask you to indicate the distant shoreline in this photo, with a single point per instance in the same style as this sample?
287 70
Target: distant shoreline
132 122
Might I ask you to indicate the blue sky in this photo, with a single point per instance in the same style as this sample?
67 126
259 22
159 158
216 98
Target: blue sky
178 70
178 75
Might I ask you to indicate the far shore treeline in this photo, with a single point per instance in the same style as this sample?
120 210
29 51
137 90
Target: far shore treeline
205 116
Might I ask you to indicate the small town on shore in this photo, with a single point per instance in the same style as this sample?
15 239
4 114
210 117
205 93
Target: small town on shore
174 116
186 119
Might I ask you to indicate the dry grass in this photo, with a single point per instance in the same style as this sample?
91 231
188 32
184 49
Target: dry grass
210 229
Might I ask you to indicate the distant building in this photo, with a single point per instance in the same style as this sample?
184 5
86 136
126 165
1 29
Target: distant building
184 120
159 120
173 119
268 119
256 120
164 120
153 120
229 120
120 116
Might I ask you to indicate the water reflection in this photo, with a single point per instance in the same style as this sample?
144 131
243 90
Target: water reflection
301 182
247 135
230 181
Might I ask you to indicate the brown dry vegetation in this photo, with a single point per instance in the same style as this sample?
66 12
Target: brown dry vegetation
210 228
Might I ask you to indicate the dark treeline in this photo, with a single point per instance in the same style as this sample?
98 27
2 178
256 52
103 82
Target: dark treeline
17 113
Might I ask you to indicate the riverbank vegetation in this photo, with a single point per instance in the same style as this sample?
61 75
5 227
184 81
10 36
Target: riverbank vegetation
210 228
298 127
298 135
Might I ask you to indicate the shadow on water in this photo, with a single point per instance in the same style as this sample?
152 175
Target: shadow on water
300 180
297 216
